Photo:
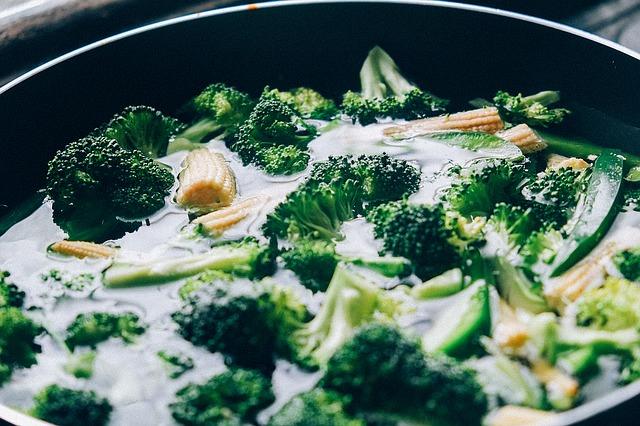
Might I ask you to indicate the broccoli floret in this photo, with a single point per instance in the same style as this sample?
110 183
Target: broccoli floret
250 324
67 280
142 128
350 301
306 102
418 233
282 159
386 93
68 407
319 407
177 364
226 108
101 190
610 307
17 341
89 329
245 258
231 398
384 372
10 294
540 248
314 261
272 123
532 110
628 263
202 279
508 229
81 365
476 190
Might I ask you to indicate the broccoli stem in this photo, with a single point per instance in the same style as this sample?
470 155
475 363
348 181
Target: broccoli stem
445 284
546 97
387 266
224 259
380 76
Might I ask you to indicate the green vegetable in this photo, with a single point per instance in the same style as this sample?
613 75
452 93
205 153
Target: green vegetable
81 365
69 281
177 364
594 213
17 341
89 329
532 110
448 283
628 263
613 306
10 294
101 190
307 102
517 289
386 93
457 330
70 407
321 407
486 143
386 374
196 282
246 257
223 107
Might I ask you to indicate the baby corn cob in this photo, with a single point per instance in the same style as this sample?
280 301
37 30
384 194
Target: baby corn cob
557 161
524 138
511 415
480 120
510 333
206 182
215 223
82 249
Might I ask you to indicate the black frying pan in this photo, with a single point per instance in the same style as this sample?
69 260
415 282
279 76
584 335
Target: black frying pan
457 51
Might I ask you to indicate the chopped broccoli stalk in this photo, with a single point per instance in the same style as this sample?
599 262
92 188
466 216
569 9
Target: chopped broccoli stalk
273 125
196 282
101 190
10 294
517 289
384 372
533 110
176 363
457 330
17 341
306 102
322 407
68 407
142 128
231 398
224 107
246 258
193 136
613 306
89 329
350 301
314 261
628 263
386 93
448 283
81 365
418 233
250 324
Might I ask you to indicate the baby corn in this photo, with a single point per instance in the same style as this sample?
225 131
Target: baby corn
480 120
206 182
511 415
524 138
215 223
510 333
82 249
559 386
557 161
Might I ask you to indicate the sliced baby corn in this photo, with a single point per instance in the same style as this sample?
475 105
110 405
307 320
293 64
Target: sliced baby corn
524 138
206 182
480 120
511 415
215 223
557 162
82 249
510 333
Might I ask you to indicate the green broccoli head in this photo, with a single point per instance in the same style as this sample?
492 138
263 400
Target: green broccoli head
250 324
319 406
313 261
89 329
231 398
418 233
306 102
610 307
10 294
540 247
66 407
628 263
508 228
282 159
225 106
142 128
532 110
101 190
17 341
385 373
477 189
272 123
385 92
